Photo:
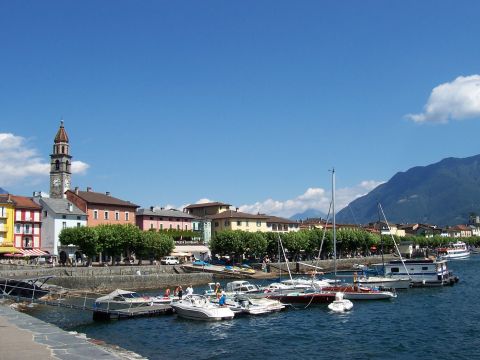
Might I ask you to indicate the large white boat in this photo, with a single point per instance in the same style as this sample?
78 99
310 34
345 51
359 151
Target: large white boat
422 272
123 299
198 307
386 282
455 251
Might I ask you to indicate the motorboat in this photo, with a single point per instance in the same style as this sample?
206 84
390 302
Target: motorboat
242 304
243 287
455 251
303 283
385 282
340 304
198 307
123 299
422 272
303 297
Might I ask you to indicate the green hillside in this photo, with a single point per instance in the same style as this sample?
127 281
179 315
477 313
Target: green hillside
444 193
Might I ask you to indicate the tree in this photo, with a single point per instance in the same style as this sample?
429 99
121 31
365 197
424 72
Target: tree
255 244
111 239
228 242
154 245
85 238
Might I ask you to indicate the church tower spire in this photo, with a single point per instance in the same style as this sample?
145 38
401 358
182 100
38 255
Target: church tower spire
60 164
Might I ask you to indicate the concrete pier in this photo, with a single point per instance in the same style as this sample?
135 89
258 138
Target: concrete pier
23 337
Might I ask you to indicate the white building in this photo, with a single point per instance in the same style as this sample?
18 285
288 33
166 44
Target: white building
58 214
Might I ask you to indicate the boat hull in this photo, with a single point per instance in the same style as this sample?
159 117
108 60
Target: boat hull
203 314
304 298
390 283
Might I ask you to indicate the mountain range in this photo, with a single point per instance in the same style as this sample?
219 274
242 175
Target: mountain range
444 193
309 214
3 191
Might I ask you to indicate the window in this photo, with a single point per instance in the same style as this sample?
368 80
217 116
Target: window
259 223
216 223
246 223
395 269
64 216
178 227
151 217
95 214
170 226
105 215
18 228
79 218
27 229
64 225
127 215
45 214
161 226
186 227
239 223
424 267
151 226
117 215
78 224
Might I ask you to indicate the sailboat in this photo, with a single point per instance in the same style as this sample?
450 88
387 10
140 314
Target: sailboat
294 294
355 291
381 280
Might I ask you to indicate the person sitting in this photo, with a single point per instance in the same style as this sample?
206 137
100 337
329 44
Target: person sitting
223 299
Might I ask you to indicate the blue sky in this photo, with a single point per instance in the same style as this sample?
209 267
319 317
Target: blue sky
246 102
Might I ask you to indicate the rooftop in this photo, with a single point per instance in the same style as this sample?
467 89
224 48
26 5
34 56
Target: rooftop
210 204
231 214
164 213
61 206
102 199
23 202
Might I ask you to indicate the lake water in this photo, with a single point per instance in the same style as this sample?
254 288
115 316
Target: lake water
434 323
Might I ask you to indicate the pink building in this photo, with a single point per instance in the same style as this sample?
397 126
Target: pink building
163 219
27 225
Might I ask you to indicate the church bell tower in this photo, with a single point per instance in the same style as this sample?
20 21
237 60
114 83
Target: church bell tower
60 164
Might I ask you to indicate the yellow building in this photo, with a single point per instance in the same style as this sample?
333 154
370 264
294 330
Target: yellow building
6 224
236 220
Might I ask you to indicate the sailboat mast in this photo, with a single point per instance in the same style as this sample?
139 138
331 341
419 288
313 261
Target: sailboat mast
333 224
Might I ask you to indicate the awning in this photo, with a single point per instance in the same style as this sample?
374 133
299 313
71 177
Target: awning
9 250
191 249
33 252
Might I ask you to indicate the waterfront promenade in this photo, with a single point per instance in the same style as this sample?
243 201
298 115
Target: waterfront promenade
23 336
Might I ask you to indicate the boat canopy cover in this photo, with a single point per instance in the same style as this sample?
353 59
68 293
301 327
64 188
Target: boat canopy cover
118 292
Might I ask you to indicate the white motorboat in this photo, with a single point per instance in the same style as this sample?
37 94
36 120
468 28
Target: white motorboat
340 304
198 307
257 306
455 251
123 299
386 282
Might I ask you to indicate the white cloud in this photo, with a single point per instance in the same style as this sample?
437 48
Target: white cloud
313 198
457 100
19 161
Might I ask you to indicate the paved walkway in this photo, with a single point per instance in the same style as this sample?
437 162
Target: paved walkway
23 336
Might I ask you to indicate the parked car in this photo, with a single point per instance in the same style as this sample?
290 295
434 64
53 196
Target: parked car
169 260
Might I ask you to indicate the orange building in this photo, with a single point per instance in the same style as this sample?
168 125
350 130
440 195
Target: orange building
102 208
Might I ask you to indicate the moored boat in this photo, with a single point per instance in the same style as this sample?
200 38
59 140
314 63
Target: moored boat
354 292
198 307
455 251
422 272
340 304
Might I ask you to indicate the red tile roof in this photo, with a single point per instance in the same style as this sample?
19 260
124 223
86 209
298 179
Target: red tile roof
23 202
103 199
210 204
61 134
231 214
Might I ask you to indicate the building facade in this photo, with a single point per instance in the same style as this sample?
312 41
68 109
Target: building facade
58 214
207 209
7 214
102 208
27 224
161 219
